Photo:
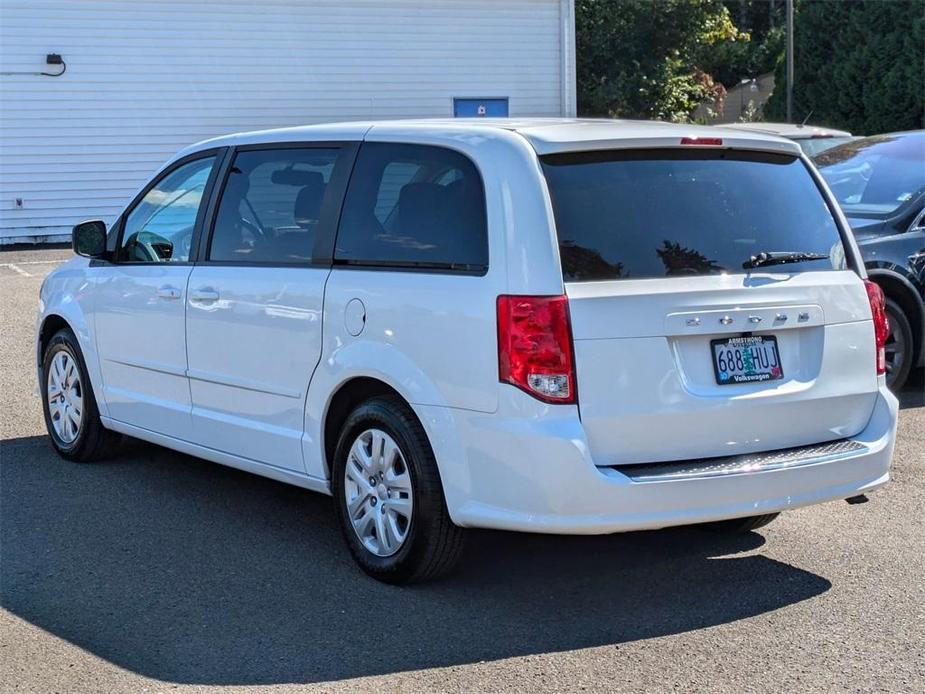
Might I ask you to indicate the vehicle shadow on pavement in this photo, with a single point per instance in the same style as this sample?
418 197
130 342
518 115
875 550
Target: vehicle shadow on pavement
191 572
913 393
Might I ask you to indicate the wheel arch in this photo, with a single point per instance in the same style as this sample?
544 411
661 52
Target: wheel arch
437 422
56 319
51 324
901 290
360 369
342 402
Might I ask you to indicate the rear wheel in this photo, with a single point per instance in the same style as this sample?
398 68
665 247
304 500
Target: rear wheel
71 416
899 346
739 525
389 497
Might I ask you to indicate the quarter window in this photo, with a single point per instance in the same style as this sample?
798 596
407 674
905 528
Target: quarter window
271 206
159 229
413 206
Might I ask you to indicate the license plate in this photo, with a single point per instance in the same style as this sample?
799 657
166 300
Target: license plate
746 360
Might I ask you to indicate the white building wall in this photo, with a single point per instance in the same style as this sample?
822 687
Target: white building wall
147 77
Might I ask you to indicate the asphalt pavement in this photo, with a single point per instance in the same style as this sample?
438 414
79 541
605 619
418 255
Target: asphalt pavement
158 572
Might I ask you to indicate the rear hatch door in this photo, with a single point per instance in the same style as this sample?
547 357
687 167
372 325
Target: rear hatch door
681 351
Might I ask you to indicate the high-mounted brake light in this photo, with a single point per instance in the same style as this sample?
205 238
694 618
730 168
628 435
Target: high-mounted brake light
711 141
881 323
535 346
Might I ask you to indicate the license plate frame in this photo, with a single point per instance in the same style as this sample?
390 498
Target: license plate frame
762 375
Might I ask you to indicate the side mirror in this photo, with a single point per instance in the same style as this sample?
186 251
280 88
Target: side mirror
89 239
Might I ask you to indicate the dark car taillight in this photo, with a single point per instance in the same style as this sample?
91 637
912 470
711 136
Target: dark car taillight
881 324
535 346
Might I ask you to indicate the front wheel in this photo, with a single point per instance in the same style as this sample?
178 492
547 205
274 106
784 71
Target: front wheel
389 497
71 417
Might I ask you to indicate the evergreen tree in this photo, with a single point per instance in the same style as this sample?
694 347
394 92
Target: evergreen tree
859 65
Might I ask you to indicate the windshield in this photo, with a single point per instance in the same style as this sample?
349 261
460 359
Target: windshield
875 176
636 214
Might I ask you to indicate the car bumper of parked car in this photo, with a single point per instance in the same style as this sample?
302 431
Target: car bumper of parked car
536 474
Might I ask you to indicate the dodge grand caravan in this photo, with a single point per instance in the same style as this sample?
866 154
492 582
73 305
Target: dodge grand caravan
555 326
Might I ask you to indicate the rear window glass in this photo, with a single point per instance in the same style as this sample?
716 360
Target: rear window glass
413 206
875 176
814 145
668 213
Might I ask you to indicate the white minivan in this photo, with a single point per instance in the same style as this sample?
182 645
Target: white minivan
558 326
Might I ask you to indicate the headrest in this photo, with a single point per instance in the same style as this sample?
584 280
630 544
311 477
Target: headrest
293 177
418 201
308 201
237 186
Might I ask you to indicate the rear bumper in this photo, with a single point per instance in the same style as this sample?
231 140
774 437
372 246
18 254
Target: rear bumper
535 474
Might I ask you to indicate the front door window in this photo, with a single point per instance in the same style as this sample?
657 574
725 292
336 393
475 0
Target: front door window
159 229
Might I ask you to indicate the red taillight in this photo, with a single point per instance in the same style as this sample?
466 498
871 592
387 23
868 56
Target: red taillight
881 324
535 346
713 141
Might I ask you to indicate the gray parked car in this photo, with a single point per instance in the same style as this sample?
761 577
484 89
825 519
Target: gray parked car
812 139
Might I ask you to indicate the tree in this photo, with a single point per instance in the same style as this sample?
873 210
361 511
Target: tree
763 22
859 65
639 58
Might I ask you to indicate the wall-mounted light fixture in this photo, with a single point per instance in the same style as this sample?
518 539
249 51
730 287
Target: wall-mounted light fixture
50 59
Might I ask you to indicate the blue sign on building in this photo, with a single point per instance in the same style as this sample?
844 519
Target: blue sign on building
480 108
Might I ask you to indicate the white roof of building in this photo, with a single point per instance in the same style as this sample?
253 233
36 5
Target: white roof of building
545 135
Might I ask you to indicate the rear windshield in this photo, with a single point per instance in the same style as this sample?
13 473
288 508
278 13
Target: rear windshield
875 176
814 145
664 213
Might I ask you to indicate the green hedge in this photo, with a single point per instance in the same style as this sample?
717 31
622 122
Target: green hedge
859 65
639 58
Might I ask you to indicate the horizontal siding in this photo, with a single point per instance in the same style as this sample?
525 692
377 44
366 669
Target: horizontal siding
146 78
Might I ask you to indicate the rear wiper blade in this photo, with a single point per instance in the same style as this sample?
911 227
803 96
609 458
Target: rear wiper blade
781 258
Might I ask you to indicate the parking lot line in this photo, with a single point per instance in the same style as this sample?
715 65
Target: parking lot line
15 268
33 262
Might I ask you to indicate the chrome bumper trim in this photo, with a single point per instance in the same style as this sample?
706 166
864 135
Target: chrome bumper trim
740 464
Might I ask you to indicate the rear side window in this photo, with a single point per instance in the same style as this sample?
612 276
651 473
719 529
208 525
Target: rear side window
270 206
413 206
671 213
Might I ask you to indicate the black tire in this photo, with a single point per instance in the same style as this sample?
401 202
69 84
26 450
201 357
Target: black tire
739 525
901 338
93 441
433 543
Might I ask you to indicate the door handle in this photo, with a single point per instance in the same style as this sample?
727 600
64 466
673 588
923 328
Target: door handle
204 295
168 292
